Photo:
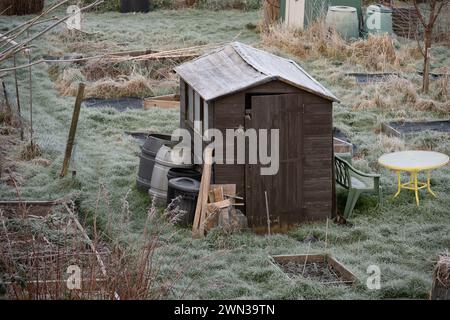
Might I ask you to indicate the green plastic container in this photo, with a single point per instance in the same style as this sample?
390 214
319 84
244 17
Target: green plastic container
349 3
344 20
314 9
378 19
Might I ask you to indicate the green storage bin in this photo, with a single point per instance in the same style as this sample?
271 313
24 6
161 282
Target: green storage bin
378 19
344 20
349 3
314 9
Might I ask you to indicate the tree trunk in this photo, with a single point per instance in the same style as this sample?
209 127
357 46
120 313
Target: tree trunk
426 60
271 13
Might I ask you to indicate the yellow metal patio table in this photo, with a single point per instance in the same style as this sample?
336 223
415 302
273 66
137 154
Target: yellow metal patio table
413 162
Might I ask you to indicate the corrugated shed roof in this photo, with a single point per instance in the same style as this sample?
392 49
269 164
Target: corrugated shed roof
236 67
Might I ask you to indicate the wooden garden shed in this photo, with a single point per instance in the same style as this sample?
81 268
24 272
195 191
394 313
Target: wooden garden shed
238 86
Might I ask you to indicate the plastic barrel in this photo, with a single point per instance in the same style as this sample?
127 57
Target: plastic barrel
183 172
378 19
147 158
344 20
134 6
166 159
185 192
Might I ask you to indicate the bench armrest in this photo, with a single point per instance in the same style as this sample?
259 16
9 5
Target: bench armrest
363 174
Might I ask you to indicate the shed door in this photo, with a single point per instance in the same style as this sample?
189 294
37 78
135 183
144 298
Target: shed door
285 189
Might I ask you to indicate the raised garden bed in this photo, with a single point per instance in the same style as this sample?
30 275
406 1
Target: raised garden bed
371 77
43 248
316 267
341 145
171 101
433 76
398 129
23 208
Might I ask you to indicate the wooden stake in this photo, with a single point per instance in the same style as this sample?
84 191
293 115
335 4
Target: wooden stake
31 98
267 213
19 112
73 129
306 258
8 106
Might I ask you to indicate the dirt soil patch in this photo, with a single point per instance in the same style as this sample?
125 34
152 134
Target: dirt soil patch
315 271
120 104
23 209
372 77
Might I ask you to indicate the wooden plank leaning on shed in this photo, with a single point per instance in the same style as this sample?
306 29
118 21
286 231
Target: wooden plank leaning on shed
200 211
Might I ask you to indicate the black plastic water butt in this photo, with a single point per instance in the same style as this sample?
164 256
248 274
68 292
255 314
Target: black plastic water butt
183 172
185 192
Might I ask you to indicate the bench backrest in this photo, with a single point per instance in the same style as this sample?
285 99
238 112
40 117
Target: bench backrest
342 172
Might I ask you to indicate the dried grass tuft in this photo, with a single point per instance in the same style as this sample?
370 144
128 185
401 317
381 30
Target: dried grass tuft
399 94
442 270
317 40
67 81
135 85
441 89
377 52
30 151
390 144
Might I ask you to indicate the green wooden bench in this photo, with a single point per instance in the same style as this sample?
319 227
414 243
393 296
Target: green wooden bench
356 182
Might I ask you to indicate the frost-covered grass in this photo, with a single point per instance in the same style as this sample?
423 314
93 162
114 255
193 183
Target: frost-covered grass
402 239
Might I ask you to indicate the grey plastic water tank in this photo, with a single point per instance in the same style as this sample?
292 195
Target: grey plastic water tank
166 159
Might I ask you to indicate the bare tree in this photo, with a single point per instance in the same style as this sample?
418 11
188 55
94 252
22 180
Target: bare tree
434 7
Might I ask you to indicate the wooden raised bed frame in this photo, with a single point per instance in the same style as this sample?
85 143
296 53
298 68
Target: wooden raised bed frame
170 101
347 276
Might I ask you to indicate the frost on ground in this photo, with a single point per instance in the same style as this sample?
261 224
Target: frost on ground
402 239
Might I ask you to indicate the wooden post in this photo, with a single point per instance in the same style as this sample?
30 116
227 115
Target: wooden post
19 112
31 98
267 213
8 106
73 129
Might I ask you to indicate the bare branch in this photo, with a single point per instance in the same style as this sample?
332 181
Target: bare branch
1 13
441 5
33 21
419 14
11 51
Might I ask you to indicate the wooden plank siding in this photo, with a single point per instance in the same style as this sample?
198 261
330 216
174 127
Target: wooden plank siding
318 162
229 113
302 191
